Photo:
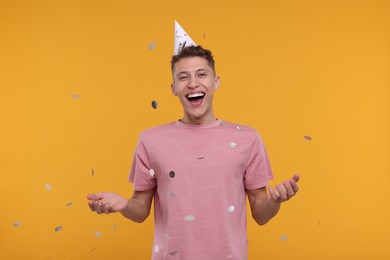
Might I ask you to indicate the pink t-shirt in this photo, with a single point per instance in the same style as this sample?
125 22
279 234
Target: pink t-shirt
201 173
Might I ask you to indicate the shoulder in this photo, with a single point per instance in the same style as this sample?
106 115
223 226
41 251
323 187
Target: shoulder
244 129
157 131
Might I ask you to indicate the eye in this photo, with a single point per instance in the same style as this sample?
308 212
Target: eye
202 75
183 77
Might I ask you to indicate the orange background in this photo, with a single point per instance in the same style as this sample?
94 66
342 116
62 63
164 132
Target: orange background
77 79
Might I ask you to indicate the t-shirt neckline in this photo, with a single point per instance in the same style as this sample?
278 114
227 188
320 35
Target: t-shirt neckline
209 125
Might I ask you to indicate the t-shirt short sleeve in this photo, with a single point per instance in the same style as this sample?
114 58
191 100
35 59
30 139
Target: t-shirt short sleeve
258 170
141 173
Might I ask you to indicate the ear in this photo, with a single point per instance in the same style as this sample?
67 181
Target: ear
173 89
217 81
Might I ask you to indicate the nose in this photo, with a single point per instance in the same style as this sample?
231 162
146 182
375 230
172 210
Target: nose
193 83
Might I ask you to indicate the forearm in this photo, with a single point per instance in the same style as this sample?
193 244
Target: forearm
265 210
136 211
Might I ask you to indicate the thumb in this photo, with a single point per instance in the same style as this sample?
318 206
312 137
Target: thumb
296 177
95 196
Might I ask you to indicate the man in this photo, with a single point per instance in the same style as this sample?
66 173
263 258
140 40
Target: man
199 170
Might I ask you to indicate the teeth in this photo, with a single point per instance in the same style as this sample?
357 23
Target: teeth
196 95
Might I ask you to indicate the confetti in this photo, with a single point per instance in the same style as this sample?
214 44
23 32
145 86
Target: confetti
189 218
75 96
114 227
48 187
17 224
151 46
231 208
98 234
154 104
200 158
156 248
59 228
93 249
239 128
69 204
233 144
204 35
173 253
93 172
307 137
283 238
319 222
172 174
151 172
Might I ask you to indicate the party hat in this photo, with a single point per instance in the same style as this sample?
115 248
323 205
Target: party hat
182 39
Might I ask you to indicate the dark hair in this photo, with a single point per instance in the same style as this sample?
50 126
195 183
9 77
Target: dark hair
194 51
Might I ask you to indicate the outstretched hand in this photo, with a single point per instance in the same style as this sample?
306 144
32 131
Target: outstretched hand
107 202
285 190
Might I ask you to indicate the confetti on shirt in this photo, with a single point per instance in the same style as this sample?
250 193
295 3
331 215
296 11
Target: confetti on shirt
233 144
231 208
189 218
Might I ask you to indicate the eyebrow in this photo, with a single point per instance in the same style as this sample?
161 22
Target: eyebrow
198 70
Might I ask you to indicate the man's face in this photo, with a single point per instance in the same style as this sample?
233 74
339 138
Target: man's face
194 82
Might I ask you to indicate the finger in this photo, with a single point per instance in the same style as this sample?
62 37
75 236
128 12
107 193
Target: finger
272 193
105 209
294 185
289 189
90 204
98 209
276 192
282 191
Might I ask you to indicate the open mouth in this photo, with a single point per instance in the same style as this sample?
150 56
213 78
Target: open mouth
195 97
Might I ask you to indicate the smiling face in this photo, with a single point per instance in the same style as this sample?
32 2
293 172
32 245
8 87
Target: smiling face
194 82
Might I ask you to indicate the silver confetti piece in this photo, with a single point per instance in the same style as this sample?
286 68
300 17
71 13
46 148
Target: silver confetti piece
151 46
154 104
233 144
59 228
189 218
98 234
17 224
284 238
75 96
47 186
